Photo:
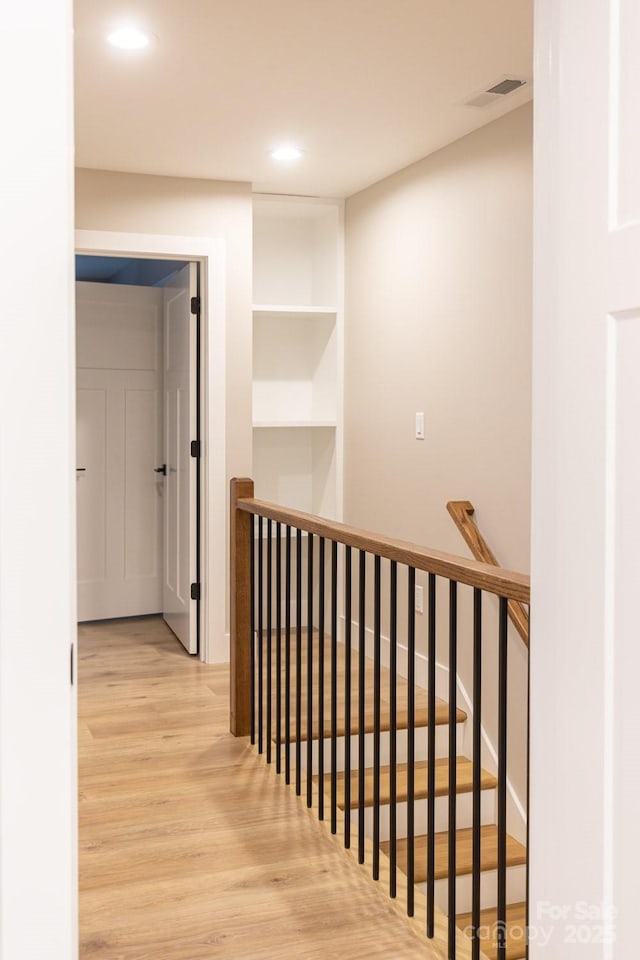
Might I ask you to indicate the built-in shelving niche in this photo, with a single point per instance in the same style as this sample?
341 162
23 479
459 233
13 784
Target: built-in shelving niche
296 353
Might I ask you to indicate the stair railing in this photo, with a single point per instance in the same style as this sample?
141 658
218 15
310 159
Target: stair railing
298 679
462 512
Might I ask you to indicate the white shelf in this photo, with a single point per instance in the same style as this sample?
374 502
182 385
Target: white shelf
266 310
292 424
296 468
295 251
294 369
297 349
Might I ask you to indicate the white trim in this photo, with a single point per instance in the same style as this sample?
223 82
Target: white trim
211 255
609 638
340 354
38 729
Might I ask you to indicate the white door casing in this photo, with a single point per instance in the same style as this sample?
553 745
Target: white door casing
585 656
622 658
210 254
119 443
180 556
38 729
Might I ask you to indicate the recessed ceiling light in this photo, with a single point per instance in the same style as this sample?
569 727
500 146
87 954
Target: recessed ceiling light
129 38
286 153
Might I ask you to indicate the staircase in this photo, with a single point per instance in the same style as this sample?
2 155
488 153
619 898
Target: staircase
408 778
516 853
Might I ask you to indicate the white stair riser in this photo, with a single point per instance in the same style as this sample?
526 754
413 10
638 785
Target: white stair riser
516 889
516 876
464 815
442 749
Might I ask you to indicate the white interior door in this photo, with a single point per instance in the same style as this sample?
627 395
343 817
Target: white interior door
585 656
180 608
119 444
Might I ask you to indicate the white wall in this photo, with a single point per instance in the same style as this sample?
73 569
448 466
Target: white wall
438 304
438 319
37 484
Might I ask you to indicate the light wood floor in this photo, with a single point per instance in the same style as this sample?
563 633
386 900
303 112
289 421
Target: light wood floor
190 846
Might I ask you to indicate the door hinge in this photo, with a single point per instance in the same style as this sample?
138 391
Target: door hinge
195 448
71 664
195 591
195 305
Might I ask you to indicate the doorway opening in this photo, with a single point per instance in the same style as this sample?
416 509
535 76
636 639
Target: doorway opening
138 441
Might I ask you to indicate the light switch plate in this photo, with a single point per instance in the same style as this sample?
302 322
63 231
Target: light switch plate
419 426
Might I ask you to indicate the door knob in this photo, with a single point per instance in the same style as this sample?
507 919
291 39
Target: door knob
162 469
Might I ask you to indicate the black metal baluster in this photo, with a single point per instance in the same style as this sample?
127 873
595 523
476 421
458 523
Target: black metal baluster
431 759
321 679
411 743
502 782
376 719
393 725
278 648
260 636
287 657
477 768
298 660
253 629
453 709
310 670
361 703
269 633
334 687
347 697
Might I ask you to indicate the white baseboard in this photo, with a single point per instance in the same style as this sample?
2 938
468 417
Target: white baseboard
218 649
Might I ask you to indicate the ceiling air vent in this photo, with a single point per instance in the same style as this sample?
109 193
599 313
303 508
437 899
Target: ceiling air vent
496 92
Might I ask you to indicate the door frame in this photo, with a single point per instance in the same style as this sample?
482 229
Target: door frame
210 254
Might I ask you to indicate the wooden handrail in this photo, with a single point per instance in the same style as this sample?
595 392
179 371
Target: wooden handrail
485 576
462 513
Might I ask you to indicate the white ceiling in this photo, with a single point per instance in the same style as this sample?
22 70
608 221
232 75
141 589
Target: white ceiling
364 87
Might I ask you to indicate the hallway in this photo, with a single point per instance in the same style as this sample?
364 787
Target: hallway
190 848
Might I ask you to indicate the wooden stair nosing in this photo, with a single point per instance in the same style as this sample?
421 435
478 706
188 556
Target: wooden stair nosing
402 723
464 781
516 853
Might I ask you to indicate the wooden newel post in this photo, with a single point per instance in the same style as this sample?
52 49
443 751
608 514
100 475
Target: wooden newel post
240 534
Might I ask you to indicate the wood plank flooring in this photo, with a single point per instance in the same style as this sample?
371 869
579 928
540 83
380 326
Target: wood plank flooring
190 846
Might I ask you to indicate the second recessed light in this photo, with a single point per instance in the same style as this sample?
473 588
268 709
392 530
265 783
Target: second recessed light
286 153
129 38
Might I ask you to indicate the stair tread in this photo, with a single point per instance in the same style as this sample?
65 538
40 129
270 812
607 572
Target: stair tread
516 923
464 781
402 693
402 718
516 853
